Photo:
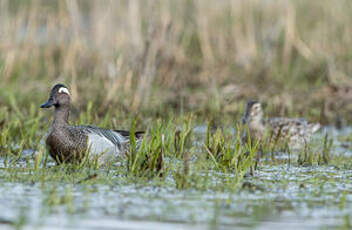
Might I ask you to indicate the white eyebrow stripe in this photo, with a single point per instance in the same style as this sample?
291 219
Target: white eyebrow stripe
64 90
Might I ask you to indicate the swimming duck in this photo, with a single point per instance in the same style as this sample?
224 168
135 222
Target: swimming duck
296 132
68 143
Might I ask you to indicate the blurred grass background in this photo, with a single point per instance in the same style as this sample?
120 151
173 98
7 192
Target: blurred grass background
162 56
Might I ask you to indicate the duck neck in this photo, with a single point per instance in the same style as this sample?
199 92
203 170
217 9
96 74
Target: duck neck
61 115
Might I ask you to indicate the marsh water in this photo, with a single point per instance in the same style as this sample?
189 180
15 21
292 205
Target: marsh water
280 196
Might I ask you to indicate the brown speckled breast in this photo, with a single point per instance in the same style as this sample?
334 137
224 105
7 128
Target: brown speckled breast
67 144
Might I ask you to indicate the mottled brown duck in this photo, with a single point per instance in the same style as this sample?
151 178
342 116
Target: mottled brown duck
67 143
296 132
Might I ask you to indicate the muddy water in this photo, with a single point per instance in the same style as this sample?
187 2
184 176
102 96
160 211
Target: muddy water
283 196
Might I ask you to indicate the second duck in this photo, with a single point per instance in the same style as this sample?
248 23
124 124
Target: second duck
295 131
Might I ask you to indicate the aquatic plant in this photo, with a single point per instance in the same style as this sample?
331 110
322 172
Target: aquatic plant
228 154
146 159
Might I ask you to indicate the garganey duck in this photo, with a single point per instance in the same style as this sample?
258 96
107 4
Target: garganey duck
67 143
295 132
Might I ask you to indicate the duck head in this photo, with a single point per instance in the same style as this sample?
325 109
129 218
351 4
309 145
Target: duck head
59 97
253 110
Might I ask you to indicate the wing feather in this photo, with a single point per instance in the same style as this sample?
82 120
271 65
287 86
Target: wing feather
113 136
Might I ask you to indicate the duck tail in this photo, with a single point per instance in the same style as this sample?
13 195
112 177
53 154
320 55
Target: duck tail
139 134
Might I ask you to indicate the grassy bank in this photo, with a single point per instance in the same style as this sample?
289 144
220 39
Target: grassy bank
161 57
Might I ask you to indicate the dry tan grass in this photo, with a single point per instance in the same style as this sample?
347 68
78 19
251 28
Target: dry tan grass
143 54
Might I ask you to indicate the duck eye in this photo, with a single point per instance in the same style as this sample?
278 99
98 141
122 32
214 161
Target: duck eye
64 90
